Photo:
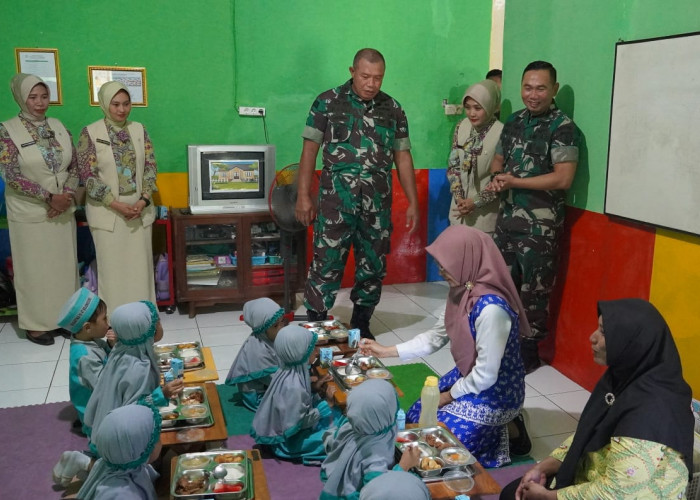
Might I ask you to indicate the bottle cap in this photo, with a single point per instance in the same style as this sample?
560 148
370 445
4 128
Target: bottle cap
431 381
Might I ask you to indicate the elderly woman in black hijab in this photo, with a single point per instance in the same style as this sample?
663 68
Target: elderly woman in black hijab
635 436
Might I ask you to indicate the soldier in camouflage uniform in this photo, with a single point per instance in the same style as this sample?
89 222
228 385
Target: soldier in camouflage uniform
363 131
535 163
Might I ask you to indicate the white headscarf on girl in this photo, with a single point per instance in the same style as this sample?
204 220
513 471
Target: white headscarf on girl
125 444
365 443
21 86
257 357
132 366
105 96
287 403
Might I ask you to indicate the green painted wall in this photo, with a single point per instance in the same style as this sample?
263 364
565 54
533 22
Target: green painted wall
578 37
205 58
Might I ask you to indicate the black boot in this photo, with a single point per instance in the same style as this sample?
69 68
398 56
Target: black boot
520 445
360 319
530 354
316 316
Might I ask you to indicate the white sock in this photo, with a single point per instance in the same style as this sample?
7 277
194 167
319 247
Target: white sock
70 464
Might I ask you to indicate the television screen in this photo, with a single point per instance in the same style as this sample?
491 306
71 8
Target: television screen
230 178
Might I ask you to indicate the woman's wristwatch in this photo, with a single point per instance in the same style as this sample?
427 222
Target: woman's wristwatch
145 200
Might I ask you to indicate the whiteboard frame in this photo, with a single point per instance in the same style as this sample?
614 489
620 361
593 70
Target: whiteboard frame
612 187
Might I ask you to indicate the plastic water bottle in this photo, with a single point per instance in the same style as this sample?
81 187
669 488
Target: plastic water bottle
429 399
400 419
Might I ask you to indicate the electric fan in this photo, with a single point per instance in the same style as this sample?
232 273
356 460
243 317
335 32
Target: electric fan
282 201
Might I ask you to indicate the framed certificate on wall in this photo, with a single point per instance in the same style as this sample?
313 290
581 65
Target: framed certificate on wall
44 64
133 78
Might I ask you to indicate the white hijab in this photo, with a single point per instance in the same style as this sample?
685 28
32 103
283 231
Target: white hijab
132 366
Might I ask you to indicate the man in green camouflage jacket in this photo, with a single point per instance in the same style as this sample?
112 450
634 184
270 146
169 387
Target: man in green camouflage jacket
363 131
534 165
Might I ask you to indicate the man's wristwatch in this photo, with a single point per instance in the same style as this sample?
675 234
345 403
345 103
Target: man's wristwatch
146 200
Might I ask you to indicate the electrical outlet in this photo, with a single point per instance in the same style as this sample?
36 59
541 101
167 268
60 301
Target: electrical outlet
251 111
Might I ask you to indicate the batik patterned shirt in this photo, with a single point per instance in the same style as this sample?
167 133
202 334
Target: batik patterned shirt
50 150
358 140
124 157
626 468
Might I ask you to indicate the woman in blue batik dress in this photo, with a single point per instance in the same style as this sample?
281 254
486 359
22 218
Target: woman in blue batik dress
482 321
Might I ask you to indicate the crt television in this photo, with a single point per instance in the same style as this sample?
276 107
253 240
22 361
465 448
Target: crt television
230 178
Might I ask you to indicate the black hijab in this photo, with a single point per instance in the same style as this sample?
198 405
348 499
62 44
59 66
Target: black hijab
645 378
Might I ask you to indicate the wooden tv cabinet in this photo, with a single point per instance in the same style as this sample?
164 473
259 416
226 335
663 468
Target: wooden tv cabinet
232 258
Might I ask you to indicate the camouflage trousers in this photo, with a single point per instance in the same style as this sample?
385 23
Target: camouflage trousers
334 233
532 261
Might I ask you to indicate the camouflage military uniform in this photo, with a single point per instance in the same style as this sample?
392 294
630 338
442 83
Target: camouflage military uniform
358 139
529 221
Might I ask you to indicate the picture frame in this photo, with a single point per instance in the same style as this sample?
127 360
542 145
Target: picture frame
44 64
133 77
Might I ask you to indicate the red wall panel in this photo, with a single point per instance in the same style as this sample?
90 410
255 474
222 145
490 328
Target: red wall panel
601 259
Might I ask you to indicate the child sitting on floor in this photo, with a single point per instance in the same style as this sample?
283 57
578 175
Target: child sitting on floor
396 485
85 316
257 360
290 418
127 443
362 447
131 372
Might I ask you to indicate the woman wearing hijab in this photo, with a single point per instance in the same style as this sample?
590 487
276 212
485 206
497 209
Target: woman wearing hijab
118 169
39 166
473 147
291 419
127 443
362 447
396 485
257 360
635 435
482 321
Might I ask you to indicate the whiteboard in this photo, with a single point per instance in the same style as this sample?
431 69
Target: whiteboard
653 171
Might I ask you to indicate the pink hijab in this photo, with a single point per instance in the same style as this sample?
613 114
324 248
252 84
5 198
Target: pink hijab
471 257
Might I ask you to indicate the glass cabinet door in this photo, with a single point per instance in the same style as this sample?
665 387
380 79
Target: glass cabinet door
211 256
268 250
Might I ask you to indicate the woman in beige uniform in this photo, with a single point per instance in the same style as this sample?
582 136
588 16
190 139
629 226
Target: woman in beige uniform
38 162
119 170
473 147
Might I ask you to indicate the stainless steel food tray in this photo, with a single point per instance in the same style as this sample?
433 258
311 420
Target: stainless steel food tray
432 440
330 330
366 363
243 474
181 421
165 352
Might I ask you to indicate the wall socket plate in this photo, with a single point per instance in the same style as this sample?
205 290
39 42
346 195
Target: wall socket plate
251 111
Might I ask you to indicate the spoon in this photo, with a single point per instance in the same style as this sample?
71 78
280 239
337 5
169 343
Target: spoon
353 362
219 472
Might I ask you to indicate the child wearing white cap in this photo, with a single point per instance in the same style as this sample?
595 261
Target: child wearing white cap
85 316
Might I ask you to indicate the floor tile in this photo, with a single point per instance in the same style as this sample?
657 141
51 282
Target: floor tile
225 335
530 392
177 321
26 352
219 318
414 319
176 336
24 397
11 333
542 446
224 356
26 376
61 374
544 418
58 394
441 361
571 402
546 380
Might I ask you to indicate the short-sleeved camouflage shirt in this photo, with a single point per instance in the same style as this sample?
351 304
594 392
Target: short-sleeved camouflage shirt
530 146
358 140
